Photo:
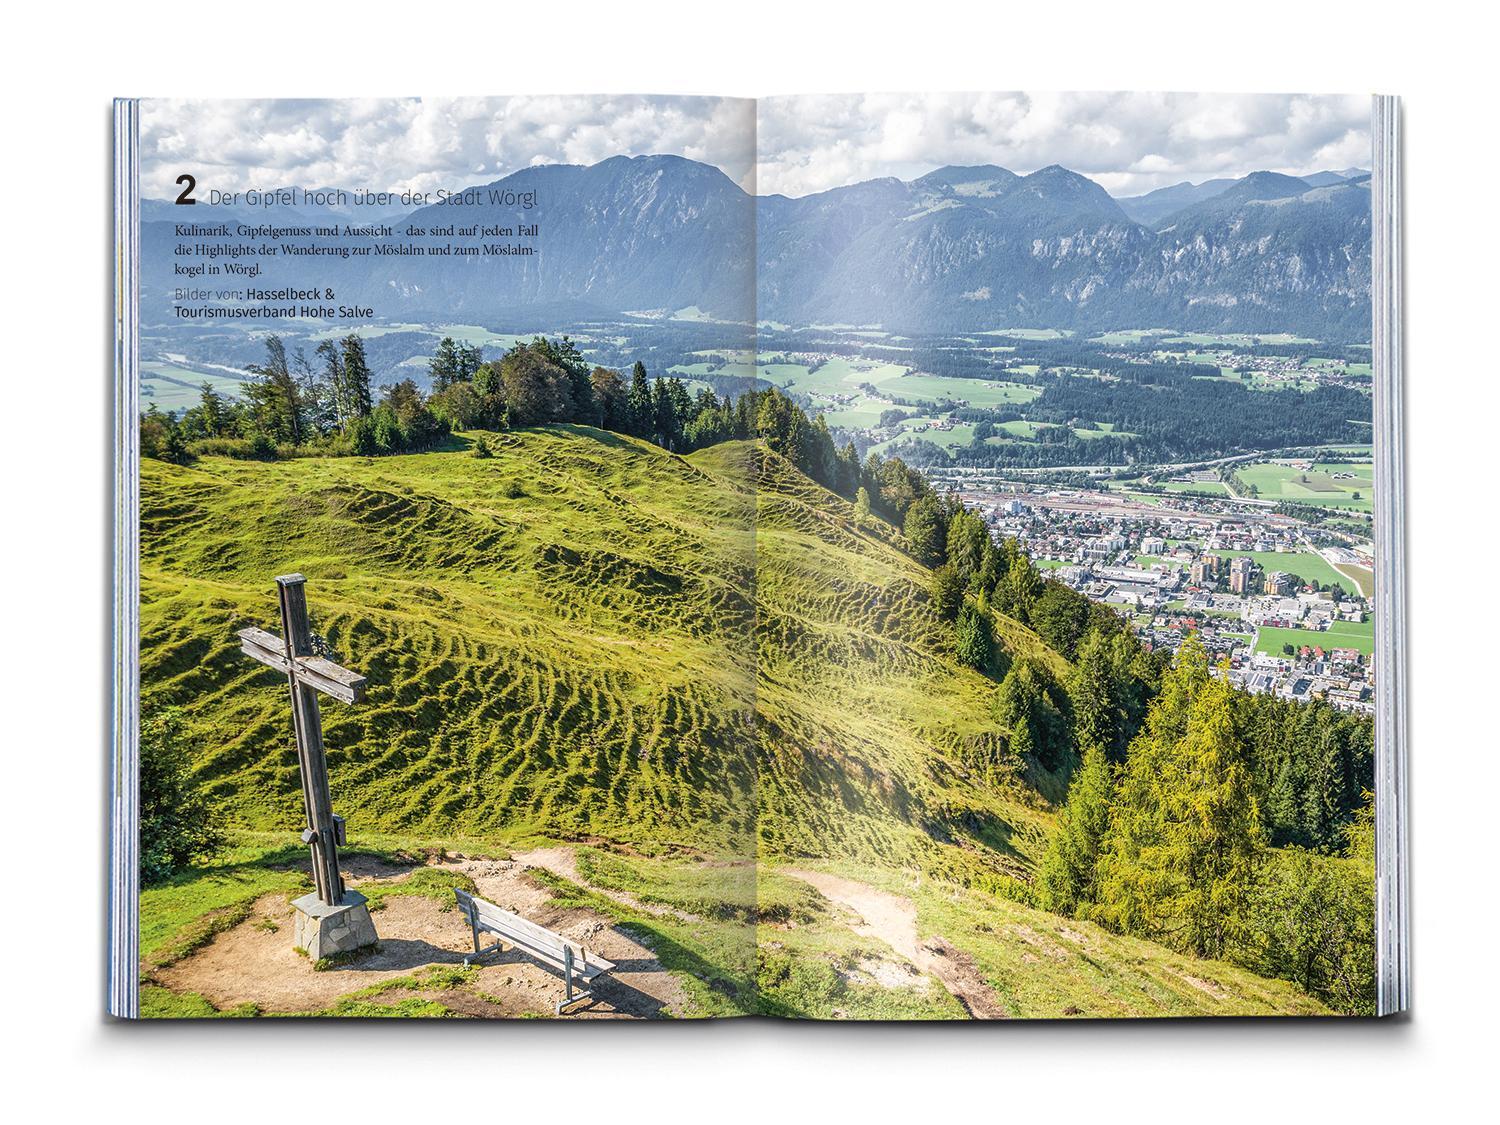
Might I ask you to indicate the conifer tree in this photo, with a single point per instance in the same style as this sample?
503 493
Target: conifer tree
967 537
947 591
1095 689
1184 841
925 531
973 641
211 409
444 366
1069 867
358 399
638 402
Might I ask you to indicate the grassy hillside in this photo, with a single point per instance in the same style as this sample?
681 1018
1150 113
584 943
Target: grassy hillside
876 744
683 664
557 639
563 640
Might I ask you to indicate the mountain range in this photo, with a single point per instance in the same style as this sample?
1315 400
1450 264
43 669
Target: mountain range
959 249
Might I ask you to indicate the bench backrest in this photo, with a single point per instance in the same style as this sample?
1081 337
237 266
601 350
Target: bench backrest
538 939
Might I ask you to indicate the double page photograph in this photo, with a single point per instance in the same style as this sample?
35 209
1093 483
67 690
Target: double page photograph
876 557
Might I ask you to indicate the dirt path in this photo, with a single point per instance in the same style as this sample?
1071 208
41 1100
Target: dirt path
893 920
255 963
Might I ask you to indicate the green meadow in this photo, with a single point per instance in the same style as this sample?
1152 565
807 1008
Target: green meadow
1329 485
1309 565
1341 634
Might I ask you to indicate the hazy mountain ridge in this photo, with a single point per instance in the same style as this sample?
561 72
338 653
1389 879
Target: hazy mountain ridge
958 249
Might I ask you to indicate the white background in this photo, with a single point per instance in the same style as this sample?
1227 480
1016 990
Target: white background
60 71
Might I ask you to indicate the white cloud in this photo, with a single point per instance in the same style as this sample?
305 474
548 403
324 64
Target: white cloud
1128 142
392 144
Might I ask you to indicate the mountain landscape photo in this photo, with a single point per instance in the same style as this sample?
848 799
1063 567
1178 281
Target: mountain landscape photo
943 593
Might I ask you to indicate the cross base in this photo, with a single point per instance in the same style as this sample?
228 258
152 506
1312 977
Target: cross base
326 931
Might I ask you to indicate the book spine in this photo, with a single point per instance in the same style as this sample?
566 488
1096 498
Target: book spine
1391 844
122 976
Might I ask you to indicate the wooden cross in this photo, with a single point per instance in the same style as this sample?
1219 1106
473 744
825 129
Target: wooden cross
306 675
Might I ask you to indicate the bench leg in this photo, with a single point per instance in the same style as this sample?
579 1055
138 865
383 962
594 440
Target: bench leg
581 994
498 947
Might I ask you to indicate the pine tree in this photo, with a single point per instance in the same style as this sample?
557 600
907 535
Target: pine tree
1184 841
1095 689
211 408
973 642
1025 708
967 537
358 399
444 366
469 359
638 402
925 531
947 592
1069 867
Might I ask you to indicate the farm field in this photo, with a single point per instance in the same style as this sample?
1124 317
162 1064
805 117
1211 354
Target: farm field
1341 634
171 386
1362 576
948 438
1324 484
1211 487
1029 333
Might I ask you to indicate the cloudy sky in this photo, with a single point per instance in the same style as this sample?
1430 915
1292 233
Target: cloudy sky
422 144
1129 143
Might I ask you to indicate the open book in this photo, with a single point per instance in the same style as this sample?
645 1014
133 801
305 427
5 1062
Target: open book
844 557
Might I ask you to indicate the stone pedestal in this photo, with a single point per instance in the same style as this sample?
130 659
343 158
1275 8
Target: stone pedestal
326 931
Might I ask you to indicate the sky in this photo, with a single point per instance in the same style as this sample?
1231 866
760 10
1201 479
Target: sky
1129 143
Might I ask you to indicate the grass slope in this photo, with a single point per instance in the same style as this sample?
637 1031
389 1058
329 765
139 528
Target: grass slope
689 663
557 639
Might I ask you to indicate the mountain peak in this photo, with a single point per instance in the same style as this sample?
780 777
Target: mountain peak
951 174
1066 191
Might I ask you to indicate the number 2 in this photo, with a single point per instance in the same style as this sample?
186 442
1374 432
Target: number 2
186 199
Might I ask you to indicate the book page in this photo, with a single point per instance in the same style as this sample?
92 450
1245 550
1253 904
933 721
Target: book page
442 418
1066 590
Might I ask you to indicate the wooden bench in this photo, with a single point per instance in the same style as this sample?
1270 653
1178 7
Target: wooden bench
577 967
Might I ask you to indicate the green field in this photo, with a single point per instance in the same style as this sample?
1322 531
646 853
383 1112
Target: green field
1308 565
170 386
1029 333
1361 576
1209 487
1341 634
1331 485
1132 335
